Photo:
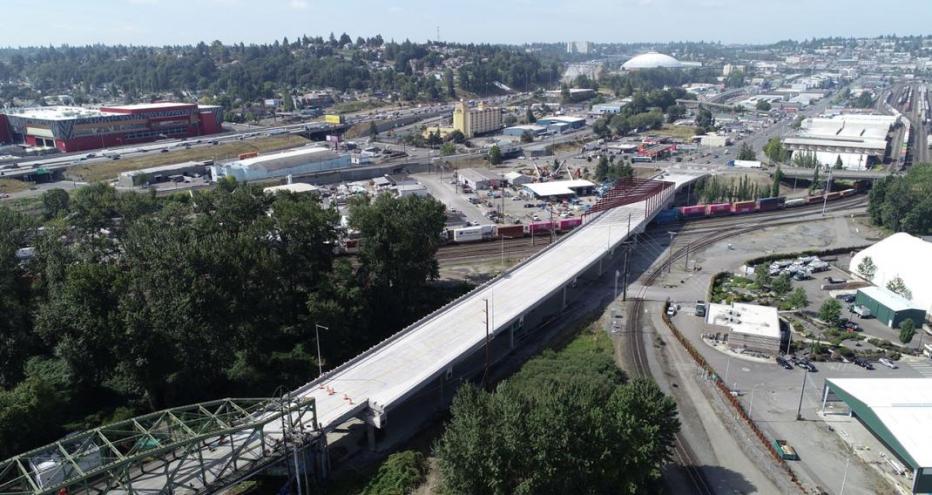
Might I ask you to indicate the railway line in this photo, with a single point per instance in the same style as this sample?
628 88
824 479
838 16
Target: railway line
526 246
710 231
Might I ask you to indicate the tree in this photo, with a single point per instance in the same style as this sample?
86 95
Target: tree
781 284
448 149
565 94
54 203
373 130
746 153
775 151
830 311
600 128
530 116
798 298
897 286
601 169
401 472
775 187
761 277
838 163
867 268
763 106
704 119
495 155
457 136
907 331
527 137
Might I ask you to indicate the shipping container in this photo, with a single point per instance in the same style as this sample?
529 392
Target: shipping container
251 154
795 202
510 231
692 211
770 204
544 226
847 192
719 209
467 234
570 223
744 207
668 216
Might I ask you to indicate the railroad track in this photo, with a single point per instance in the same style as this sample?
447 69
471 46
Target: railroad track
681 450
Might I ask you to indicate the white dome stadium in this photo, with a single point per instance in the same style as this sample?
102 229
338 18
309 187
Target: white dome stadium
652 60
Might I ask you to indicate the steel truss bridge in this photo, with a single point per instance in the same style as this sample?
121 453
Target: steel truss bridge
189 449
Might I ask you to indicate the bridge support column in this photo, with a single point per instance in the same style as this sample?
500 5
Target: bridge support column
370 436
600 267
564 297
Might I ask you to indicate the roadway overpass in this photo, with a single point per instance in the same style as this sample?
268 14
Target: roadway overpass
806 173
399 383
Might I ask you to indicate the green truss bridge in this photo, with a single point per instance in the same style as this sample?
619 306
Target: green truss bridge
198 448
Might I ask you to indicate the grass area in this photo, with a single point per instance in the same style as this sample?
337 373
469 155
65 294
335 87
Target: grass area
355 106
94 172
29 206
675 131
8 186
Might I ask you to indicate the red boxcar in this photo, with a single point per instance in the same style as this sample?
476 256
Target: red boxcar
813 199
692 211
744 207
536 227
570 223
719 209
510 231
834 195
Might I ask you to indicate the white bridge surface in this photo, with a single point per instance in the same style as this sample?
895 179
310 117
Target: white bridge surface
394 370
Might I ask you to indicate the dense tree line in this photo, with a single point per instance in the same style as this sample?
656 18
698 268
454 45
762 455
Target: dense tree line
630 83
904 203
568 422
716 189
234 74
137 303
646 111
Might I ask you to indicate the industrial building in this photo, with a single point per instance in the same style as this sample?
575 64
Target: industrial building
561 124
609 108
897 411
889 307
714 140
516 179
559 189
77 129
153 175
294 188
519 130
478 179
472 121
748 327
858 140
900 256
296 162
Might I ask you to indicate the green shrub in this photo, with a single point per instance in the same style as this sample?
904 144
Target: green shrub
401 473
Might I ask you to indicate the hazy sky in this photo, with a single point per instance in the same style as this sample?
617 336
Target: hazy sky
158 22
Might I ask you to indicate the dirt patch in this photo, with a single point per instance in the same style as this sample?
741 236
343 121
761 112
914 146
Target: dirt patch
9 186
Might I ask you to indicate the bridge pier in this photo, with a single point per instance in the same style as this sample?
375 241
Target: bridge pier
564 297
370 437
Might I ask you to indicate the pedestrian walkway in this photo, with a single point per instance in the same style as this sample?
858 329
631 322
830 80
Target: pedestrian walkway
923 367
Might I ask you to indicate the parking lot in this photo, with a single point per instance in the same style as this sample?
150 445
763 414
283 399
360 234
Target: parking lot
773 394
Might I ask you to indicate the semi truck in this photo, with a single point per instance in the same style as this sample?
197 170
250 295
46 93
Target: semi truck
333 119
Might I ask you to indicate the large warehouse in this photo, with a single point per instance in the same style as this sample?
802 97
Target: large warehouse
897 411
858 140
77 128
297 162
900 256
748 327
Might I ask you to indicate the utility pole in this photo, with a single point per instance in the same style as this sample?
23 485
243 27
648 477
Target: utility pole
828 187
670 255
624 286
617 273
320 366
799 409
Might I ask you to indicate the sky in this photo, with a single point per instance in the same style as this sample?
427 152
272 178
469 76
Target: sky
166 22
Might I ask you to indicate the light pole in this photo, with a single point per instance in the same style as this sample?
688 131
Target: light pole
751 404
844 478
617 274
320 366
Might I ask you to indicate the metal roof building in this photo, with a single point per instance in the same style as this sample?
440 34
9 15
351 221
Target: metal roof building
559 188
904 256
889 307
898 411
296 162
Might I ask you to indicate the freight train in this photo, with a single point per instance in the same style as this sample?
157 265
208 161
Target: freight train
744 207
491 232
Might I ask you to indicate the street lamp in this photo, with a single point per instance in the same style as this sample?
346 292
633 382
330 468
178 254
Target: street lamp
320 366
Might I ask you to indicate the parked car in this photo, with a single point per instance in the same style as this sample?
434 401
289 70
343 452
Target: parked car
783 362
806 365
888 363
847 298
671 310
